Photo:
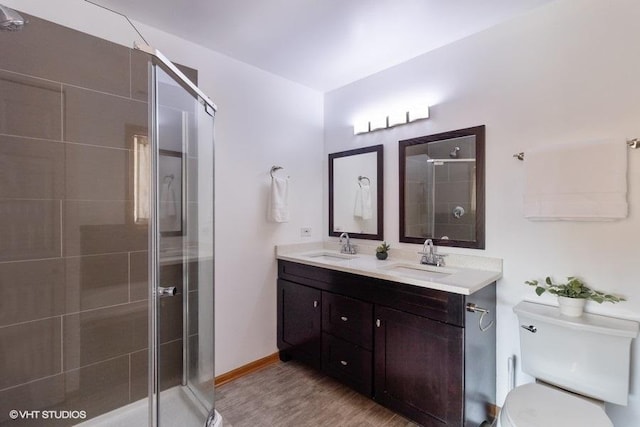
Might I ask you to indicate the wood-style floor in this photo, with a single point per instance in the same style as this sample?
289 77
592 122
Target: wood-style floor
290 394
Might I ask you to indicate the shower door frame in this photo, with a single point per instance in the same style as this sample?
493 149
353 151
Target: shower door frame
159 60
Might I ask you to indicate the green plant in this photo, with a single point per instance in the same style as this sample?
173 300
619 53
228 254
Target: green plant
574 288
383 248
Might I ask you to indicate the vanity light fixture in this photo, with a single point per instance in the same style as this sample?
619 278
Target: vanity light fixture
392 120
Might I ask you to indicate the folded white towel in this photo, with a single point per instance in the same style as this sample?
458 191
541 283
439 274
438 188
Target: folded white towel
363 206
279 200
585 181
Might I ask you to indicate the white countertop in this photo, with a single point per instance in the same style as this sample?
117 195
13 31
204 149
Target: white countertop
462 274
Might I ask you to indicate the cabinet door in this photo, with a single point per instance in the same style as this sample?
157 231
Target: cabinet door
418 365
299 333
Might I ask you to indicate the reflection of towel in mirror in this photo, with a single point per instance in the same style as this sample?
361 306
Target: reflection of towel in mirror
168 201
362 208
279 200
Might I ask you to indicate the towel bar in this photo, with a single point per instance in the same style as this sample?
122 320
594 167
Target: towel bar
632 143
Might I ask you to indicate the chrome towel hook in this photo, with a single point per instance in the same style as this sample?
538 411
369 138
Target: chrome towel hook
274 169
472 308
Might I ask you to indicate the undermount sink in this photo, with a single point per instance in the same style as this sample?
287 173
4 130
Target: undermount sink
418 271
331 256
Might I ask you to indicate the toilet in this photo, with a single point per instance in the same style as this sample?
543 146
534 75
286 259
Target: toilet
578 362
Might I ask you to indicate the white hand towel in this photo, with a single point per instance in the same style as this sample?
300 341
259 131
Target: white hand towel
357 207
367 210
362 207
584 181
279 200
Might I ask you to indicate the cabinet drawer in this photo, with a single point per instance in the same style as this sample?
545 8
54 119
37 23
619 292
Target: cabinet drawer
348 363
348 318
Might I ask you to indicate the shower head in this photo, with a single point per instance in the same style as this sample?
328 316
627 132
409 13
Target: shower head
454 153
10 20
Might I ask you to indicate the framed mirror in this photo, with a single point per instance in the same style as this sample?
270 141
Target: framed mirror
442 188
355 193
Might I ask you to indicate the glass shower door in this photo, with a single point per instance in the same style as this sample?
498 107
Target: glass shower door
182 355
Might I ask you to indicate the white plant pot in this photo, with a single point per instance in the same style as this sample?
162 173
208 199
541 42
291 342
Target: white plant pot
572 307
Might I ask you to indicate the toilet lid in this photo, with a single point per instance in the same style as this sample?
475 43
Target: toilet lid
535 405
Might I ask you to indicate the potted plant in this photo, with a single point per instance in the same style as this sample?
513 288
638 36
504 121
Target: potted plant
382 251
572 295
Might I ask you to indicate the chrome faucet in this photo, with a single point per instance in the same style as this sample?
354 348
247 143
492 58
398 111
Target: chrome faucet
347 248
429 256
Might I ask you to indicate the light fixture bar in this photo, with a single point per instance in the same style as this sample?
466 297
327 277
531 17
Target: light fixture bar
394 119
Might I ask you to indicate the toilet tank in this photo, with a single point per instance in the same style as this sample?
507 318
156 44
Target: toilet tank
589 355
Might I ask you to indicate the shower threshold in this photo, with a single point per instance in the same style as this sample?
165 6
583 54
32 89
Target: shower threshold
178 410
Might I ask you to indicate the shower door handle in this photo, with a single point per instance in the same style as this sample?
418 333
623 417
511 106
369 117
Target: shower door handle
169 291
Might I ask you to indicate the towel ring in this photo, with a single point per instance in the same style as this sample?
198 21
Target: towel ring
361 178
274 169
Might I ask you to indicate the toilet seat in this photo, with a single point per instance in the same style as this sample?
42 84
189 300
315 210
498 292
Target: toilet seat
537 405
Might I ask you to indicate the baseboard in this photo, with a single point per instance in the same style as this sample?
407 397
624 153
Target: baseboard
247 369
494 411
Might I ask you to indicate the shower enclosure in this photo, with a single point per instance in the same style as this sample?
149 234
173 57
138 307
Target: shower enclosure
106 238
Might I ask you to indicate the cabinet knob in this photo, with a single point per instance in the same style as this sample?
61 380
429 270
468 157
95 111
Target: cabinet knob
344 363
344 318
378 323
315 304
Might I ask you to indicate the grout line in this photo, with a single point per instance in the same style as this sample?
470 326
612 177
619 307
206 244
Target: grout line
129 358
62 228
129 276
73 313
66 372
61 344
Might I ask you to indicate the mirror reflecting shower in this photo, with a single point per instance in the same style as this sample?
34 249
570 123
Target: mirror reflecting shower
106 243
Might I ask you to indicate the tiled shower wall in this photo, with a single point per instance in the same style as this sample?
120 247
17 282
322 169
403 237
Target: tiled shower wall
73 263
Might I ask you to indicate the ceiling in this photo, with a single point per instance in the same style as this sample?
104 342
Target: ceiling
322 44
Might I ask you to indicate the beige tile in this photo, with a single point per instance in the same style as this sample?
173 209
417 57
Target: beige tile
96 281
65 55
96 173
140 65
139 374
193 312
101 334
170 318
32 106
37 395
191 73
171 275
31 290
95 389
100 119
139 275
31 169
170 369
30 229
98 227
29 351
170 364
98 388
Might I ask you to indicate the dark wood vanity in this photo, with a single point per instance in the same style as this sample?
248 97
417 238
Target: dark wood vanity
413 349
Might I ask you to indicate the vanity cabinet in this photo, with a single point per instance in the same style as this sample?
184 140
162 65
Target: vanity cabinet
299 314
413 349
419 367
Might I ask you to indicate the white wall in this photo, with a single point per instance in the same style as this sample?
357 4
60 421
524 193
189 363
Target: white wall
263 120
566 72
